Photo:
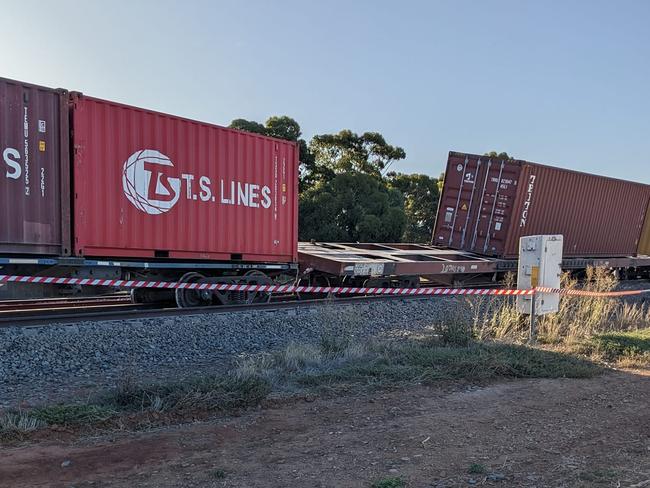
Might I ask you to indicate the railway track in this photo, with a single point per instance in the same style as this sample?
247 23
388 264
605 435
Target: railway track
24 311
41 317
44 303
43 312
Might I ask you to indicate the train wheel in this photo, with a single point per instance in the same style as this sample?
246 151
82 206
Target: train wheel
255 277
377 283
192 298
252 277
137 295
318 280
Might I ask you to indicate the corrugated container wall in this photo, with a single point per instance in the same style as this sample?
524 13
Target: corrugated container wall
487 205
34 170
644 242
461 222
148 184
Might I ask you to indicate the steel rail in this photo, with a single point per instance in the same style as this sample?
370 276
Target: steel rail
68 317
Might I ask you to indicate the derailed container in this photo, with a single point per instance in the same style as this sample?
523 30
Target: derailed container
153 185
487 204
34 169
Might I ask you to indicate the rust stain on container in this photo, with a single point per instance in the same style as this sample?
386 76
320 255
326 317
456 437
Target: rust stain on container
149 184
488 204
34 169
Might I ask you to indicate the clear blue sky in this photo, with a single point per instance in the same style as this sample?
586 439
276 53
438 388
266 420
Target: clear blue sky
558 82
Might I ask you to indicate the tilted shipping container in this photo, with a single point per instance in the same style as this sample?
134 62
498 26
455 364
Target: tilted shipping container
34 170
148 184
487 204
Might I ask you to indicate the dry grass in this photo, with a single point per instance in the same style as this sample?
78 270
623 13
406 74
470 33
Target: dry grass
496 317
18 422
589 326
281 367
351 365
578 318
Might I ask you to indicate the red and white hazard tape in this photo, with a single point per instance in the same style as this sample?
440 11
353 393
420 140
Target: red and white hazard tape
258 288
585 293
45 280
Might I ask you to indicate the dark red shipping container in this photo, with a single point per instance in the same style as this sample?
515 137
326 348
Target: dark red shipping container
153 185
488 204
34 169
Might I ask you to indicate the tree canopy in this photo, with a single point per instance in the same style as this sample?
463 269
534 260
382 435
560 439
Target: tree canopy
346 192
347 151
501 155
352 206
282 127
248 126
346 196
421 197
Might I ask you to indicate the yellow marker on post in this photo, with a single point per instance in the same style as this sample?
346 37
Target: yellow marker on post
534 276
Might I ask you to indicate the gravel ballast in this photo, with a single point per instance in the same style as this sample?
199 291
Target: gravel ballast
62 362
65 362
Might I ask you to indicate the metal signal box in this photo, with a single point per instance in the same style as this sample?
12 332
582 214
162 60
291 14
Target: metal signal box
540 260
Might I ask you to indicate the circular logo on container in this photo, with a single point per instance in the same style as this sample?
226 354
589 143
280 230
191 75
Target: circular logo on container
148 184
459 167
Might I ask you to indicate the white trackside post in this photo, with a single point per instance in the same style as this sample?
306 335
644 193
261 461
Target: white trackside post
540 264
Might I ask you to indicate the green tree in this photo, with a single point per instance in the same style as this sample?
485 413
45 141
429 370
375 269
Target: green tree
348 198
347 151
501 155
248 126
351 206
344 195
421 197
282 127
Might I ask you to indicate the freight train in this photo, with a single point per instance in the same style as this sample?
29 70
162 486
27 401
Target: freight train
96 189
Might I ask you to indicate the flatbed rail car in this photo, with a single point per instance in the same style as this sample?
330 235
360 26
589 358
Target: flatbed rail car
386 265
232 272
412 265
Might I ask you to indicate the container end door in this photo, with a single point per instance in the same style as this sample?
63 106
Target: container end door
453 226
30 160
476 203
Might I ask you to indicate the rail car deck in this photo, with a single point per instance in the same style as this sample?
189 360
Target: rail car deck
439 264
367 259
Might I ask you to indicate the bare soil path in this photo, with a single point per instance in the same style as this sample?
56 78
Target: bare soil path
528 433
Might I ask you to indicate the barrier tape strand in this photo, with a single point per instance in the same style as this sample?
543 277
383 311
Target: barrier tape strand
223 287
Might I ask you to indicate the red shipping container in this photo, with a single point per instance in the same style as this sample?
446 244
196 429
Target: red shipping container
148 184
488 204
34 170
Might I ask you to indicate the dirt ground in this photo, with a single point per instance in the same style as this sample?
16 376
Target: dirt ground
532 433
